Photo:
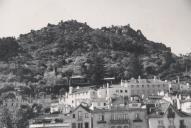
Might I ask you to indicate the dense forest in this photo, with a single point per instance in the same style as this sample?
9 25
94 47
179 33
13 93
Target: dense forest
46 56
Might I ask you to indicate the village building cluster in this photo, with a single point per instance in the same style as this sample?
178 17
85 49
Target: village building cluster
134 103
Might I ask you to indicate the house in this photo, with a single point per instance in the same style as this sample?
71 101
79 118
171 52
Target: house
50 121
81 117
167 116
145 87
120 117
100 103
185 106
141 87
78 95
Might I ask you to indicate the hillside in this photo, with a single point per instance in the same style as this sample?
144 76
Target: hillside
48 54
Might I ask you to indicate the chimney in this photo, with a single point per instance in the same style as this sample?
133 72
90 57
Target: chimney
178 104
107 85
178 79
139 79
188 85
70 90
121 82
155 78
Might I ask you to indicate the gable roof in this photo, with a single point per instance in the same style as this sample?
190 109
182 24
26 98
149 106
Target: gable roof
86 108
161 111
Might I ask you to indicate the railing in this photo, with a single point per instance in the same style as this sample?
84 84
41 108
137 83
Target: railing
101 122
137 120
171 115
119 121
80 119
182 126
171 126
49 125
161 126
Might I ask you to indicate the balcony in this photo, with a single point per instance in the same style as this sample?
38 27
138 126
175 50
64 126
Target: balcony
137 120
80 119
171 126
161 126
101 122
171 115
119 121
182 126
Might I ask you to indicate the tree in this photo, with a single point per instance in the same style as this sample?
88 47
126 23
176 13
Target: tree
6 119
68 73
62 91
96 70
23 115
134 67
36 108
8 48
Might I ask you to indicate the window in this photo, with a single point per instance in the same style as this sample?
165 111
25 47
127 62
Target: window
125 116
80 125
182 125
147 86
118 126
142 86
104 104
125 91
131 86
86 125
117 91
73 125
136 116
171 121
101 117
181 121
73 115
137 86
112 126
86 115
160 122
121 91
125 127
79 114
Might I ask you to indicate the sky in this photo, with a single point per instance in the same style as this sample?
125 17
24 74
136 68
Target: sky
164 21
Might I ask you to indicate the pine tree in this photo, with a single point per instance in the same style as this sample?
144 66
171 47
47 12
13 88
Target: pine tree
96 70
6 119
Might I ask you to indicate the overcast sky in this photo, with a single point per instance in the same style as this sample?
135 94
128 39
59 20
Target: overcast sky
166 21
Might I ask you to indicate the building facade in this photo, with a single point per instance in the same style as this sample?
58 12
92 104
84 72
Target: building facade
81 117
76 96
120 118
140 87
169 118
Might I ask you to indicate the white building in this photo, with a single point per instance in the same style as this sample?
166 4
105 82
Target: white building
166 116
78 95
141 87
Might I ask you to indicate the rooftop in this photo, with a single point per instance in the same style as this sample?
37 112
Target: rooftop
82 89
